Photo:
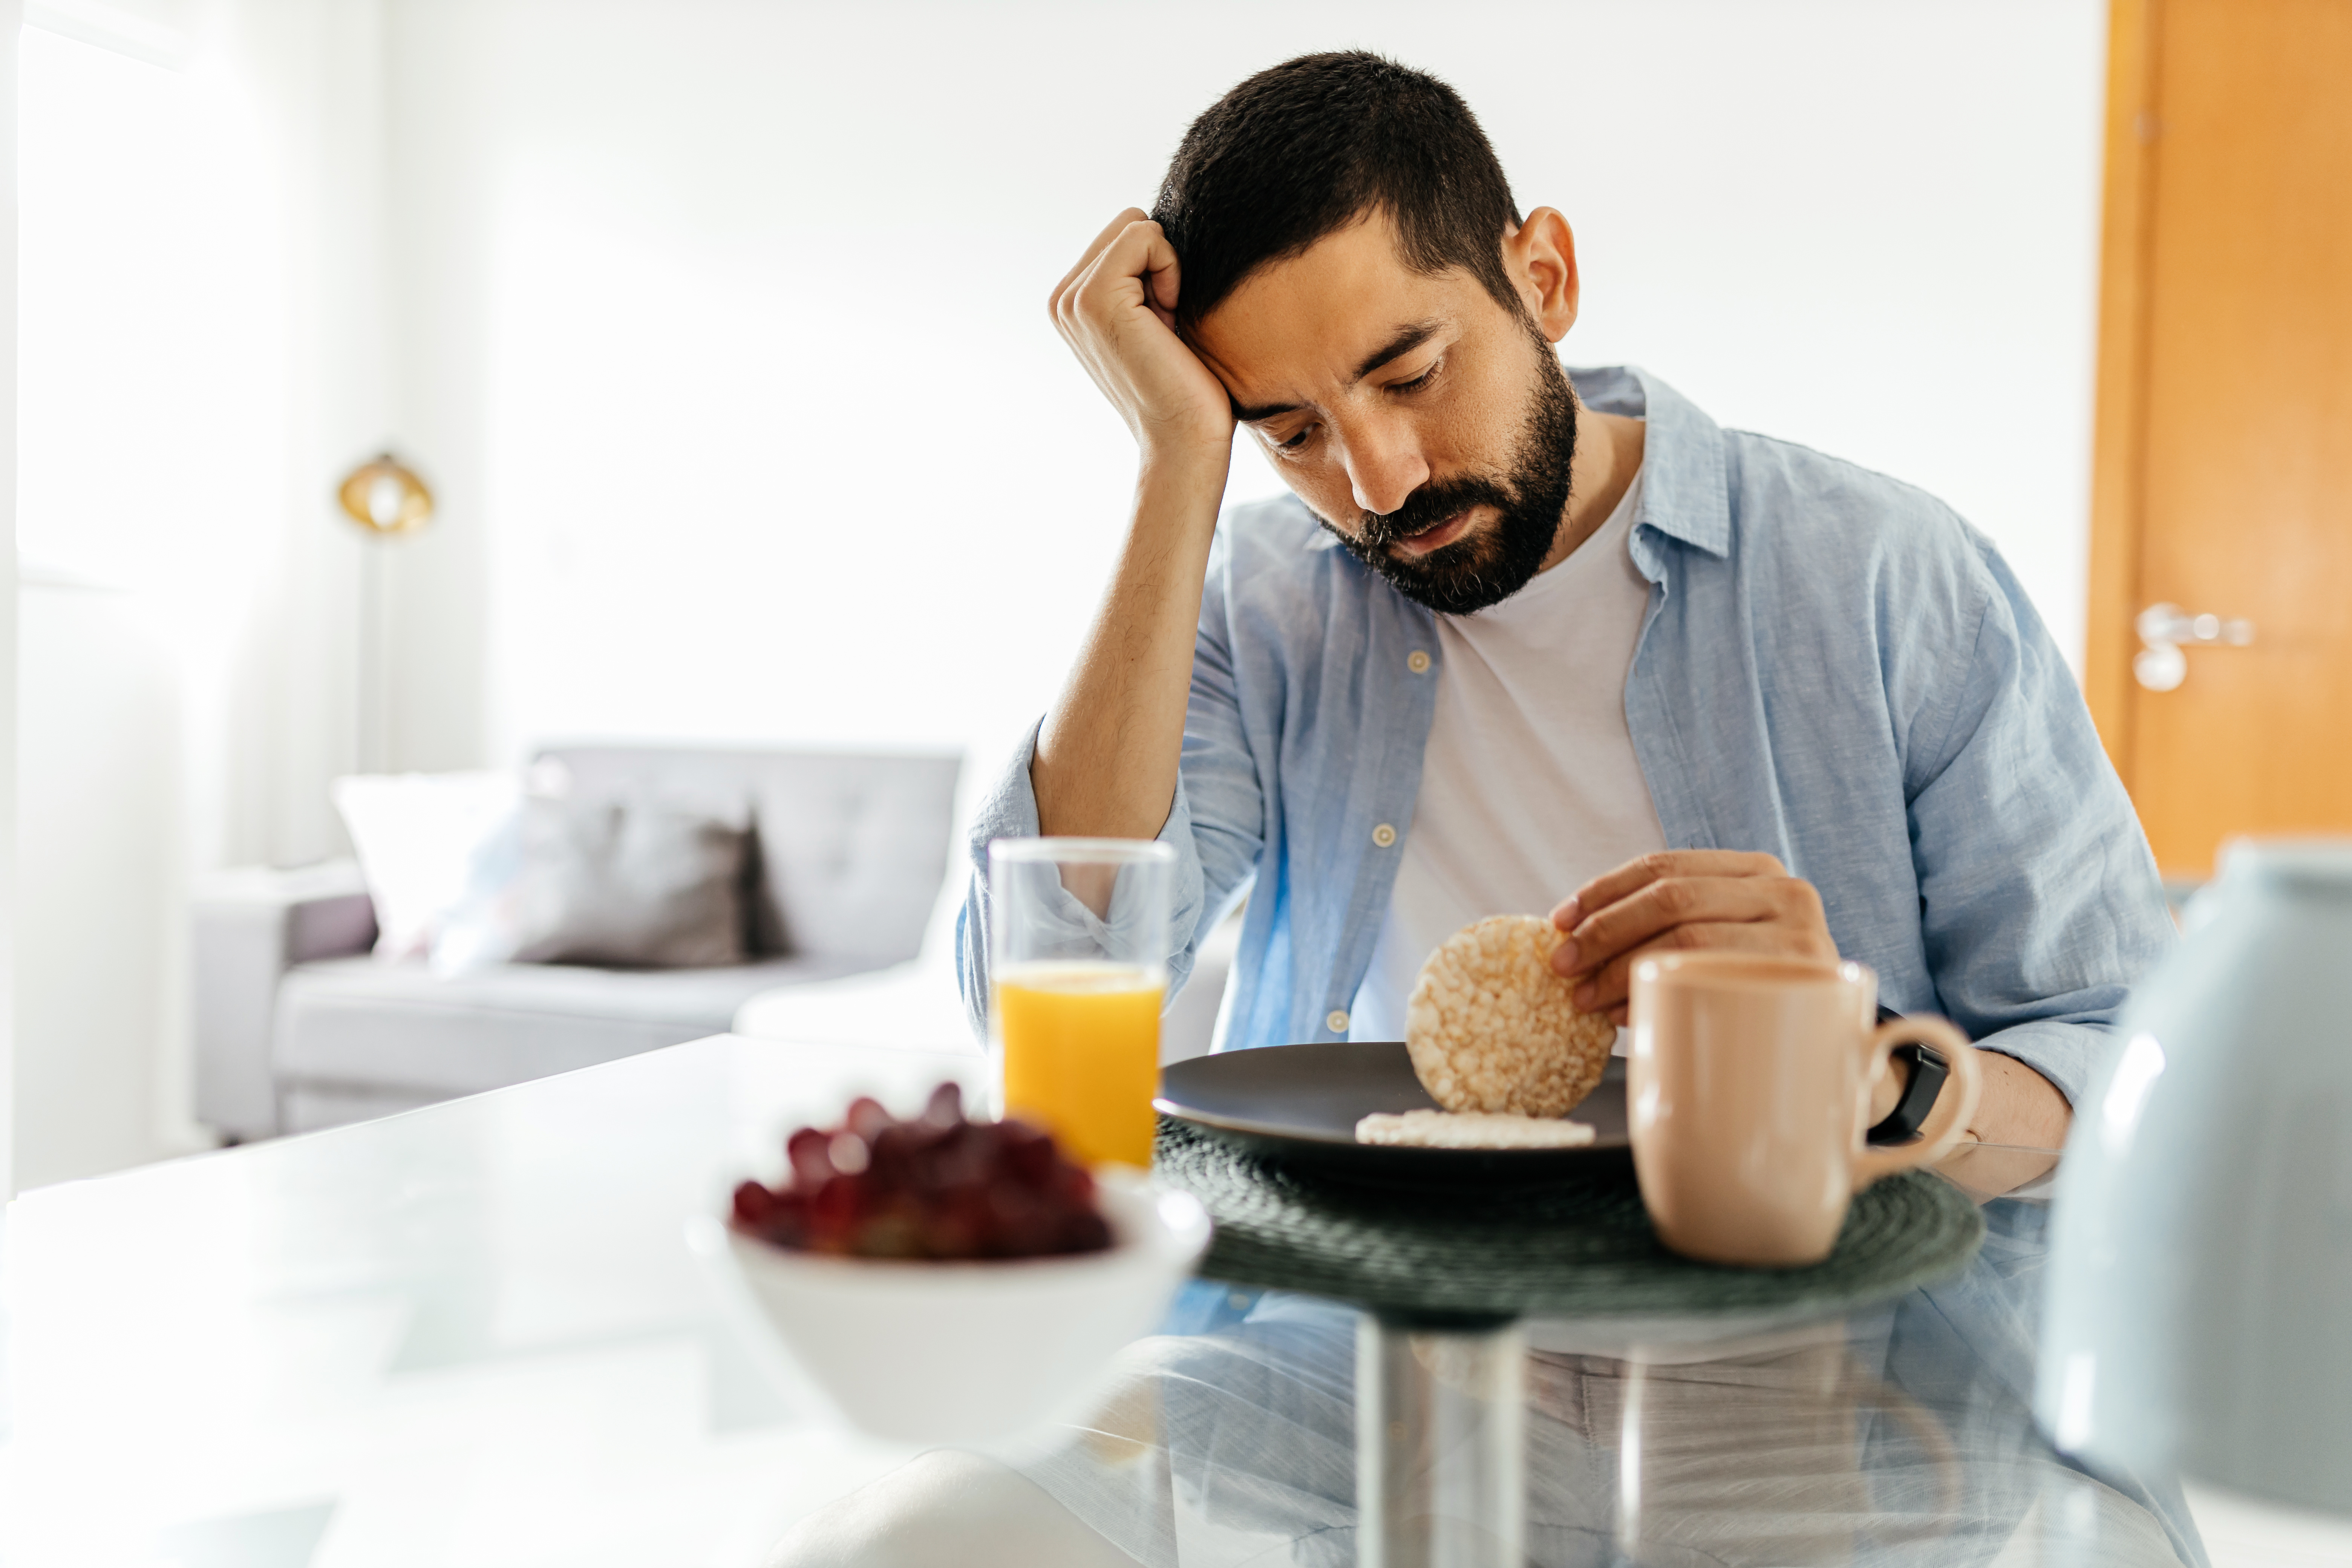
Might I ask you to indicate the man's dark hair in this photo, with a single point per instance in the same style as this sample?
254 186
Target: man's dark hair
1303 149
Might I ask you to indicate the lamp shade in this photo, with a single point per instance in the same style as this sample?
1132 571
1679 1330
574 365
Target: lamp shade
2199 1307
384 496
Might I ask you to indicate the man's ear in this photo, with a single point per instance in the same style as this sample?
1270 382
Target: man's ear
1540 257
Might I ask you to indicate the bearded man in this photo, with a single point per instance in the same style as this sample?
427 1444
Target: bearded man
1523 641
1519 640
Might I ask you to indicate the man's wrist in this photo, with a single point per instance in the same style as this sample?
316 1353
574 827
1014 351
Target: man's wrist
1183 460
1178 493
1926 1071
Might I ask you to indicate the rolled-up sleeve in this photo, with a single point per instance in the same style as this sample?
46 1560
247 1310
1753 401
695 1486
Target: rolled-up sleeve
1214 822
2040 902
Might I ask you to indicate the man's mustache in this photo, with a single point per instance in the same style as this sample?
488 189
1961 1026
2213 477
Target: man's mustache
1427 507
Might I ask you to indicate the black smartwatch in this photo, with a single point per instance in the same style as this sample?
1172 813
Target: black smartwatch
1928 1071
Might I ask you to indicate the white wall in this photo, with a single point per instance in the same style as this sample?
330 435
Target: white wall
725 329
201 357
101 997
10 11
202 361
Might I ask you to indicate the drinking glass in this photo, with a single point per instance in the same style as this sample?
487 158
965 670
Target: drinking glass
1077 966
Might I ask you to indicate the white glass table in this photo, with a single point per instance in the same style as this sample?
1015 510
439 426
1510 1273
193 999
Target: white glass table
467 1334
473 1334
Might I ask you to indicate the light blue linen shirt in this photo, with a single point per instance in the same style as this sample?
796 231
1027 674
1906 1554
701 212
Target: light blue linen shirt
1833 667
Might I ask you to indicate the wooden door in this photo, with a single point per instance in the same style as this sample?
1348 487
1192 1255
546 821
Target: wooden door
2223 476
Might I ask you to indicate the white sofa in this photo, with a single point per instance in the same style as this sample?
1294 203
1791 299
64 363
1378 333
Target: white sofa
296 1027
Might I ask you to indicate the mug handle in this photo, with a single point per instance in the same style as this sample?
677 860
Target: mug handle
1945 1124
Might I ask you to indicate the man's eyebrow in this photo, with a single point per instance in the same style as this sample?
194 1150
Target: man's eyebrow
1407 340
1404 342
1253 415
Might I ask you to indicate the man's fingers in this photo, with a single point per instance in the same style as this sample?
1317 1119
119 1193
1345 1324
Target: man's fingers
1139 258
1609 990
1611 885
1679 899
1088 257
1649 911
1160 283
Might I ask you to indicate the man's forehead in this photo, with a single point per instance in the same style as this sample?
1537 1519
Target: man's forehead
1298 328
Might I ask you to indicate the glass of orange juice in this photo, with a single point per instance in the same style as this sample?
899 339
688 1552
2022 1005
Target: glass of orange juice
1077 967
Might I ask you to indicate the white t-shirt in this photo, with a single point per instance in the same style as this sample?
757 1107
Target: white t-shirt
1529 787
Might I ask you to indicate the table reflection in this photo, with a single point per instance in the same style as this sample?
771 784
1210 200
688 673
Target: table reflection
1902 1434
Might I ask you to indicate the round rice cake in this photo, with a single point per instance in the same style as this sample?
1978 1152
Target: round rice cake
1491 1027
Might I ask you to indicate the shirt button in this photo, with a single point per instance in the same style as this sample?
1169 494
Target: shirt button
1336 1021
1417 662
1385 835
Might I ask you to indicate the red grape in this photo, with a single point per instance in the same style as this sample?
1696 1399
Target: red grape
865 1117
937 1187
807 1150
848 1152
752 1203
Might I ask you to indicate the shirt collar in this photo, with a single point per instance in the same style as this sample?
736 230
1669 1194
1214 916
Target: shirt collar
1683 491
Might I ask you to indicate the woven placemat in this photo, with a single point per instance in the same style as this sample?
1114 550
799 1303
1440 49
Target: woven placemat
1580 1247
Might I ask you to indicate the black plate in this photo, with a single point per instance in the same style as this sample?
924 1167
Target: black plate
1300 1104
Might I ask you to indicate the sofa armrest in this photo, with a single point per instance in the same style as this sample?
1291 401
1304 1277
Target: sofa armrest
250 926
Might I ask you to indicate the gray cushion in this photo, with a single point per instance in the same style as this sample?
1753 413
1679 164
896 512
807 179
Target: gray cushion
398 1026
628 884
852 848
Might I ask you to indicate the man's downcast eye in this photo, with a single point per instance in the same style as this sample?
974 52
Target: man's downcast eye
1293 443
1420 381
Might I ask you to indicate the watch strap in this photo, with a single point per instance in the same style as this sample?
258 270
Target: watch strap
1928 1072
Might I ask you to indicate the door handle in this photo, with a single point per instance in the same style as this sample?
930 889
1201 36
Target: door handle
2166 629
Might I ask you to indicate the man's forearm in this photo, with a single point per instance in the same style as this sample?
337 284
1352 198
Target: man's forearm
2019 1106
1107 758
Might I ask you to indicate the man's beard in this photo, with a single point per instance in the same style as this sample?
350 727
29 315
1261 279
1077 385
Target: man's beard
1489 565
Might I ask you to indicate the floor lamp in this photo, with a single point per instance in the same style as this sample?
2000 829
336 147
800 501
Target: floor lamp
388 501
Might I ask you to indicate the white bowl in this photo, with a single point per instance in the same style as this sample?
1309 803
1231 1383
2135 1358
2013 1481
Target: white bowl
950 1353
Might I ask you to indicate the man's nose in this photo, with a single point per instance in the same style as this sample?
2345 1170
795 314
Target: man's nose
1384 465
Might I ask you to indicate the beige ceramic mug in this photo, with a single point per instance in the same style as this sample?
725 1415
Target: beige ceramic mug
1747 1086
